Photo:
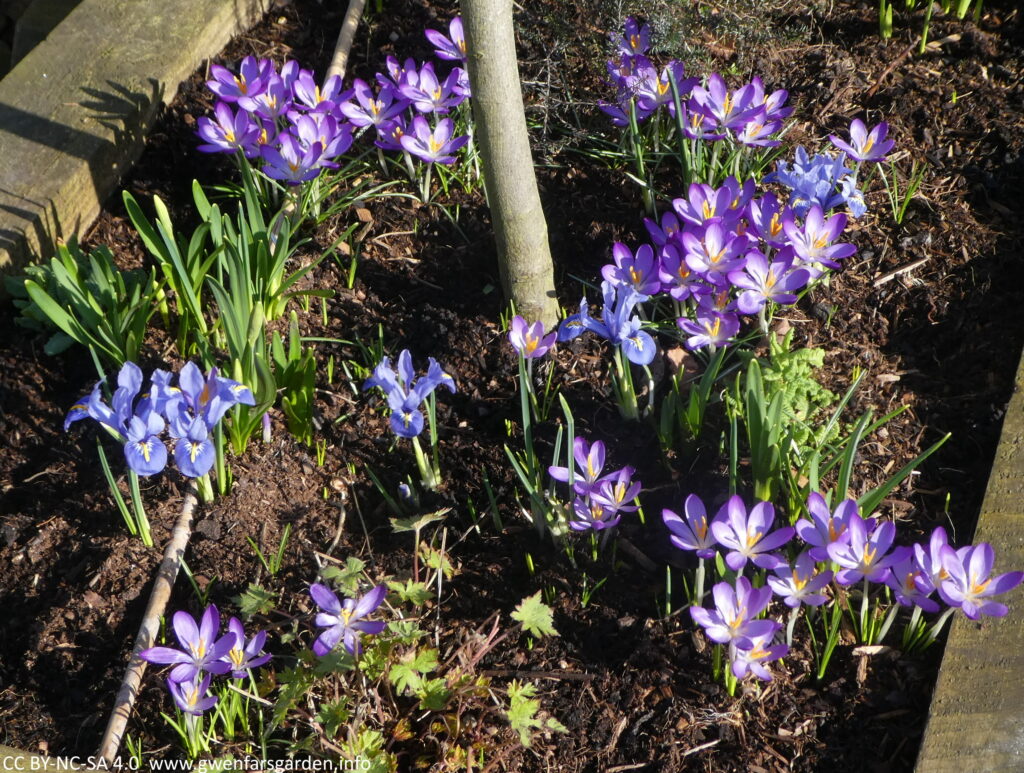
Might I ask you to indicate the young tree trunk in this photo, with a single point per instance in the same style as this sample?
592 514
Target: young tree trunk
519 226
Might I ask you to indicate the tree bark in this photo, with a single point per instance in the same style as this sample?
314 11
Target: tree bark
520 229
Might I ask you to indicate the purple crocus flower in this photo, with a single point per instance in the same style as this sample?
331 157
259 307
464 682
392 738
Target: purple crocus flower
704 203
865 145
290 162
710 329
529 340
253 76
639 272
733 620
909 584
761 650
714 251
866 554
773 103
432 145
369 110
201 650
764 217
931 560
730 110
970 583
451 49
616 490
343 620
245 655
693 533
758 131
272 102
592 515
826 527
430 95
677 277
390 133
661 233
747 536
398 74
589 461
762 282
654 89
323 130
813 242
228 132
635 41
800 582
324 100
192 696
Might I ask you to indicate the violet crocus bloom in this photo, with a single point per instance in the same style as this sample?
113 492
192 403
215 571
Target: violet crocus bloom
813 241
370 110
710 329
693 533
730 110
343 620
245 655
430 95
592 515
228 132
762 282
826 527
309 93
758 131
676 277
253 76
636 40
866 555
201 650
529 340
192 696
931 560
616 490
272 102
714 251
733 620
390 133
451 49
661 233
432 145
589 462
290 162
764 217
970 583
774 103
761 650
798 583
747 535
865 145
639 272
654 90
704 203
324 130
910 586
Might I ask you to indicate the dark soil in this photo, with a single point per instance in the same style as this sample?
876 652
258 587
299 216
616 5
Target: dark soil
633 688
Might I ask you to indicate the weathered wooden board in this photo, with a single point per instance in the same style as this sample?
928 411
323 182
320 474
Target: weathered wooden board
74 112
976 720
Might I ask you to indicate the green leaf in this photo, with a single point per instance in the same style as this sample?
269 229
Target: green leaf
535 616
434 694
345 578
522 710
255 600
408 672
415 593
417 523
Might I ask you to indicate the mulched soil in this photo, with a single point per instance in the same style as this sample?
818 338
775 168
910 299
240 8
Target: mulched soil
633 688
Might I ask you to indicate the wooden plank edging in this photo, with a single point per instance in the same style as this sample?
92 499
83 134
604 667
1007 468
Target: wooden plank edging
75 111
976 719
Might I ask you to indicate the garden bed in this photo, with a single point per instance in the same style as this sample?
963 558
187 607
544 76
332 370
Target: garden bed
928 309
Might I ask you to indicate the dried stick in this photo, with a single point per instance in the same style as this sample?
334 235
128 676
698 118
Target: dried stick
348 33
146 637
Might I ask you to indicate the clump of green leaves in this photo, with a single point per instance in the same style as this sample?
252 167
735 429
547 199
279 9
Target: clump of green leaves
87 300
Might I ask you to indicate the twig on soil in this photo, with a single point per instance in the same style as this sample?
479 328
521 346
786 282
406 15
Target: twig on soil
888 70
348 33
146 637
901 270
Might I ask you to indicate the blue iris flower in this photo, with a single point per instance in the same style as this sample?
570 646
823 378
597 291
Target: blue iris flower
406 393
618 325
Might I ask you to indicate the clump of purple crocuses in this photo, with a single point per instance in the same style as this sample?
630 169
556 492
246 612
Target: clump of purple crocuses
203 654
600 498
835 548
189 412
294 127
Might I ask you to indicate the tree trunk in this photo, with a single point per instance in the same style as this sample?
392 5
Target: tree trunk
519 226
